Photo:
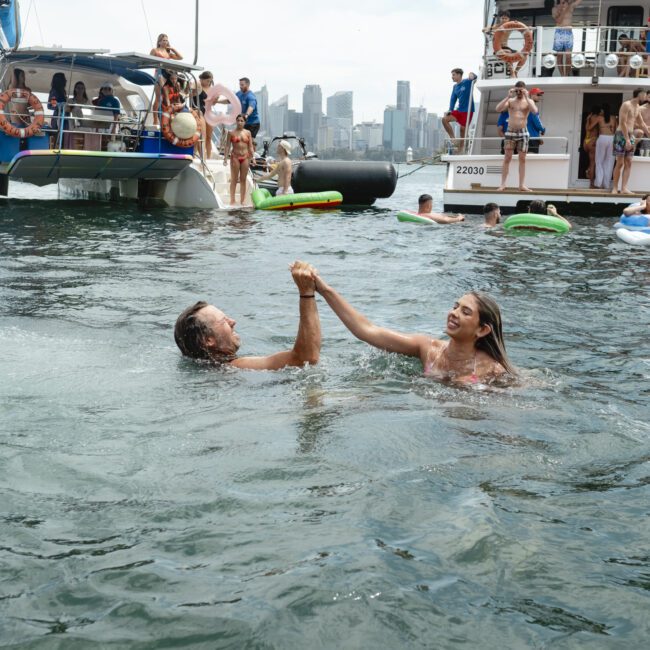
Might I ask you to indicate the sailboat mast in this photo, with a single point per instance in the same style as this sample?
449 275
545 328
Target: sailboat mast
196 33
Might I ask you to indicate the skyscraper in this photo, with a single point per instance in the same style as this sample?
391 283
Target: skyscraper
339 105
404 96
394 137
312 110
278 116
263 108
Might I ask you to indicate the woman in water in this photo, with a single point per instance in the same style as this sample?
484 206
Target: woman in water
239 144
589 144
474 353
163 50
639 208
606 124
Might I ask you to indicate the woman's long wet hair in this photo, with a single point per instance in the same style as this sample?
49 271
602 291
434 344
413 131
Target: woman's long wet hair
190 332
492 343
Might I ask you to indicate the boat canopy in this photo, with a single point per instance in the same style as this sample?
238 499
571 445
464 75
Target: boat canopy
10 29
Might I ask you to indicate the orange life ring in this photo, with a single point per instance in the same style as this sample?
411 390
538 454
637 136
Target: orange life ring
168 134
39 116
501 34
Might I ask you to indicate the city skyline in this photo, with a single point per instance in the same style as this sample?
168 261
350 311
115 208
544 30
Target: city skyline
365 45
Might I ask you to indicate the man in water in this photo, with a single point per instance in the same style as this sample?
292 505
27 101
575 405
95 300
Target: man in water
519 105
563 40
629 118
461 94
282 169
492 214
425 207
203 331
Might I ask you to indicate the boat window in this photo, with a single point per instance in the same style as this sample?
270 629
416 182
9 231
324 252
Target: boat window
630 16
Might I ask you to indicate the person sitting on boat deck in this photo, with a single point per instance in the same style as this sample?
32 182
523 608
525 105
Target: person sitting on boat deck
203 331
163 50
106 101
171 92
56 100
425 207
461 105
492 214
240 141
643 208
628 47
19 115
282 169
629 118
539 207
519 105
474 353
562 13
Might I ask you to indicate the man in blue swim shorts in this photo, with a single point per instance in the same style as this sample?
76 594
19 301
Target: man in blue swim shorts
563 41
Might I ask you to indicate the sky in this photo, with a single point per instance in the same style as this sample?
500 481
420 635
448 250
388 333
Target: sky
359 45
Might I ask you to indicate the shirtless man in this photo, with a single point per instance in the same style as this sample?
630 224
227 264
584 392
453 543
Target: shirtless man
629 118
563 39
282 169
644 112
425 207
203 331
519 105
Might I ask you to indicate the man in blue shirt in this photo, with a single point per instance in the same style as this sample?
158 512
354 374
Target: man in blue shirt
249 105
461 95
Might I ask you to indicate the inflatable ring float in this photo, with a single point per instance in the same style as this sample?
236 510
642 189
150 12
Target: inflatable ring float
263 200
166 119
501 35
216 119
411 217
634 229
536 222
34 103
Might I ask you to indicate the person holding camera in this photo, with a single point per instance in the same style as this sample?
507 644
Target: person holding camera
519 105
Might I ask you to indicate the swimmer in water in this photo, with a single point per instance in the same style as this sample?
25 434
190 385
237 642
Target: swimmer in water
203 331
474 353
425 207
639 208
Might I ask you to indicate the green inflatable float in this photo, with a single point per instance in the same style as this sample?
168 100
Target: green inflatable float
412 217
263 200
536 222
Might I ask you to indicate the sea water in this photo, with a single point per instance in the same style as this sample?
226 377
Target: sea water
147 501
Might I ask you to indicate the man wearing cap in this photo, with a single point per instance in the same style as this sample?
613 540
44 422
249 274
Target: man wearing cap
535 126
282 169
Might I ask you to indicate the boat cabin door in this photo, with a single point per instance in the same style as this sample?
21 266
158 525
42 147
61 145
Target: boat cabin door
580 166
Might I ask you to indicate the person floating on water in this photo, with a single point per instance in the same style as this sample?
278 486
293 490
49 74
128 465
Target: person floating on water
474 353
642 208
203 331
492 214
282 169
539 207
425 207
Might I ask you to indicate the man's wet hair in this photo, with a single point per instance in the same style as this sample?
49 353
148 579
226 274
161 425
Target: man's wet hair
423 198
457 71
490 207
537 207
637 91
190 332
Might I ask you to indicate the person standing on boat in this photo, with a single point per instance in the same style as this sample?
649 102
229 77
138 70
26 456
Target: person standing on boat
239 144
644 110
163 50
461 105
534 124
589 143
249 105
629 118
562 13
282 169
203 331
206 80
519 105
606 125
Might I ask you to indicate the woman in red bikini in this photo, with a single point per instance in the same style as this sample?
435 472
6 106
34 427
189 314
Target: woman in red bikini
475 352
239 145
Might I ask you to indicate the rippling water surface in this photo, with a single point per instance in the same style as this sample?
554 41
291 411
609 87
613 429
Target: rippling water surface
149 502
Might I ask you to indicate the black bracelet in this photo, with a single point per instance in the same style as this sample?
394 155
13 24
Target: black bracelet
310 296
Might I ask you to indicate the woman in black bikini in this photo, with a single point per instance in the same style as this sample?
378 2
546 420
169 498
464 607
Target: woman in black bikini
239 145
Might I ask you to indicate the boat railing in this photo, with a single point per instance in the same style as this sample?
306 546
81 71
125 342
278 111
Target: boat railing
485 146
598 51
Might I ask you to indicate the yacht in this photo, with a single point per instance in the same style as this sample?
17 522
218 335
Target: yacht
558 173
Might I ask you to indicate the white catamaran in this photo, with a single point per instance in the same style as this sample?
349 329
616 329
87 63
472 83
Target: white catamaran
602 69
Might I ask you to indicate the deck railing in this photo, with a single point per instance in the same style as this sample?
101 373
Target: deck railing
492 145
596 52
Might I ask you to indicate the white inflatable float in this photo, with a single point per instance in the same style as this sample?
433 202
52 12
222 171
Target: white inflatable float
634 229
